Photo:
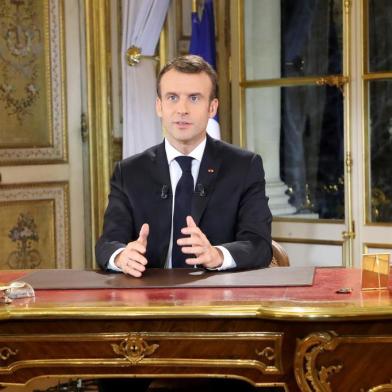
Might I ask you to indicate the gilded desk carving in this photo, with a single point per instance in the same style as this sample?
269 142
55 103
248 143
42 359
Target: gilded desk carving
267 352
380 388
301 339
6 352
309 377
134 348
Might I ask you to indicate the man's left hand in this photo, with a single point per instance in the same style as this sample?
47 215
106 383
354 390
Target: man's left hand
197 244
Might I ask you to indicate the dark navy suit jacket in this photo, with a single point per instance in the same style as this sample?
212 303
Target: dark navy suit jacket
229 205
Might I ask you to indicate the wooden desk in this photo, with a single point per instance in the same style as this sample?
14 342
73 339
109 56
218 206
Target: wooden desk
302 338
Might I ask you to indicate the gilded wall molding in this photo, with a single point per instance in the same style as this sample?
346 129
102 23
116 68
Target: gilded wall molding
99 113
347 6
32 84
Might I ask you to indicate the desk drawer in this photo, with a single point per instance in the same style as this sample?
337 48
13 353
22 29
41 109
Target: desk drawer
261 352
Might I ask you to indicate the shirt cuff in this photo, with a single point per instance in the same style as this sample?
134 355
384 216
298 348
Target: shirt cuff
228 261
111 265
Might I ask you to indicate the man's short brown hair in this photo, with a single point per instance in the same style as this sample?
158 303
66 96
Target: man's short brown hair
190 64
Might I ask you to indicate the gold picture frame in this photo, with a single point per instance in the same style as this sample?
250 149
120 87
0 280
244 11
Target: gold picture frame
34 226
32 83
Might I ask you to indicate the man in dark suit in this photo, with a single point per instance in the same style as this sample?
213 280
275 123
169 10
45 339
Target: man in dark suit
229 222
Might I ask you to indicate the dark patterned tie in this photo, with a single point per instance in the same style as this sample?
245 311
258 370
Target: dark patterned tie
182 208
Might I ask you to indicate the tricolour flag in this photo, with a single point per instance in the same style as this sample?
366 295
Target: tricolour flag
203 44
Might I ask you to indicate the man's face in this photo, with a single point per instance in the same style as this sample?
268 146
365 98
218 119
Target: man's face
185 108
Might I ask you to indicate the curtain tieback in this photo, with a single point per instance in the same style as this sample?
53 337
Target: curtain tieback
134 56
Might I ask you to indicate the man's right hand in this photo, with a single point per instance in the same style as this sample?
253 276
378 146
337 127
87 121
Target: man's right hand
131 260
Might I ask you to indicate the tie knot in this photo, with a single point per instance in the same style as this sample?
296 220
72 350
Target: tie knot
185 163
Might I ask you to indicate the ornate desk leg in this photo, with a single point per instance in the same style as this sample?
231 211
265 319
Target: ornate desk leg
309 378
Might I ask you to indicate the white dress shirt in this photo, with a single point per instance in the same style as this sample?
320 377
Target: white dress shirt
175 175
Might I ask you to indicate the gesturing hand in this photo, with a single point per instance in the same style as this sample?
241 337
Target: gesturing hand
131 260
198 244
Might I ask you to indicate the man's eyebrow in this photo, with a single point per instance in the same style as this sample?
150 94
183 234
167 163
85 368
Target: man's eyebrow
168 94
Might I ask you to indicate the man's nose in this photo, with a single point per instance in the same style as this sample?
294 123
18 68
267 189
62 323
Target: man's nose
182 107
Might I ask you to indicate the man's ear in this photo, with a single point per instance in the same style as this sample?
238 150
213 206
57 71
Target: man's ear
213 108
158 106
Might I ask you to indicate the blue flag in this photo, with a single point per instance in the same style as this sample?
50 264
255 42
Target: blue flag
203 34
203 44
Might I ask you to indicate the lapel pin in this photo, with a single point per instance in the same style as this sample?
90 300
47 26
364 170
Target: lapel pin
210 170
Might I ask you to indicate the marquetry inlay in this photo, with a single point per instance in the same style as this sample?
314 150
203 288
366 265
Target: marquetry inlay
267 352
6 352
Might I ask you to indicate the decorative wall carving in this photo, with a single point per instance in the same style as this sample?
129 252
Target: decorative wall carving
32 113
24 234
34 226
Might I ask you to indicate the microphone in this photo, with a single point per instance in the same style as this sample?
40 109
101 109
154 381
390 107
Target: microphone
164 191
200 189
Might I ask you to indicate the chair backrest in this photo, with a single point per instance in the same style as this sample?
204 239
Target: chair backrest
280 258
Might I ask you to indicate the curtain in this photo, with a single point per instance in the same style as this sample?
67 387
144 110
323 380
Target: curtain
142 24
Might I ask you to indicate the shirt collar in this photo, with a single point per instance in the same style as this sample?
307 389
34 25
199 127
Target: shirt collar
172 153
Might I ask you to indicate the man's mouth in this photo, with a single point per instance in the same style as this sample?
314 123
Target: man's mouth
182 123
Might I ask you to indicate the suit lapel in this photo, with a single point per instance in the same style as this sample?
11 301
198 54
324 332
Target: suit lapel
205 184
163 196
161 167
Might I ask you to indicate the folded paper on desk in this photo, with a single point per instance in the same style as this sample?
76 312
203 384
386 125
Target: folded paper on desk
176 278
